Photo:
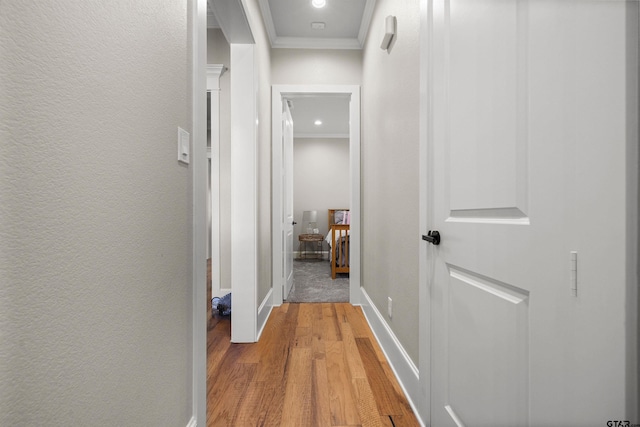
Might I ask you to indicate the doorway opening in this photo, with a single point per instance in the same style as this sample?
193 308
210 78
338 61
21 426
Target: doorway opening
320 168
282 220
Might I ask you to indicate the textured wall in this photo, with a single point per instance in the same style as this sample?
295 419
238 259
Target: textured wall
390 169
95 230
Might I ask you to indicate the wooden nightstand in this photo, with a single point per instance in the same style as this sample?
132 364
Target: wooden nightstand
310 238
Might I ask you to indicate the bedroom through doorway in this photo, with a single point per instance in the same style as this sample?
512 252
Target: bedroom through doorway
321 197
284 218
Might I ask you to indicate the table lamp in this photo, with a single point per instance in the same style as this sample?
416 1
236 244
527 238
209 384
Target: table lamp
309 219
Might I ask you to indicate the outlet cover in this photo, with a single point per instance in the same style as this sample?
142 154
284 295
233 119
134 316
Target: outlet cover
390 307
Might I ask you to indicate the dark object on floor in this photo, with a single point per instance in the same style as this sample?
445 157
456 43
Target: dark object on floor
222 305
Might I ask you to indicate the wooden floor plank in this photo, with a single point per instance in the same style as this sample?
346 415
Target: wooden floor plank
297 397
250 410
331 330
310 368
272 332
275 354
302 337
305 315
262 406
317 313
231 379
404 421
341 396
396 385
388 400
358 322
321 406
218 344
366 404
354 362
318 334
341 314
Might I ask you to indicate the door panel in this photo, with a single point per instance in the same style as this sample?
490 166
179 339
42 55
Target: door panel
287 150
486 115
531 104
481 346
487 332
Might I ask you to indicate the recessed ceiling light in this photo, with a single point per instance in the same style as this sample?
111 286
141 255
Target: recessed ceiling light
317 122
319 3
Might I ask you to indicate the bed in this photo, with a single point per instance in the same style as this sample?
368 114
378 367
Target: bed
339 221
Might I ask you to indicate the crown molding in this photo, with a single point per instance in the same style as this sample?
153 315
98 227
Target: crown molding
278 42
267 18
321 135
366 21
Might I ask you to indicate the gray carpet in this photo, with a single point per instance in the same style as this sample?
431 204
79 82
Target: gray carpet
312 283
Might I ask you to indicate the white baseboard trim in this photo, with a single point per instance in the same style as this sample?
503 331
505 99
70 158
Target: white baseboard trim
192 422
263 312
403 367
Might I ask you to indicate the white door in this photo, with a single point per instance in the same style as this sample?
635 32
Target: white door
287 176
528 124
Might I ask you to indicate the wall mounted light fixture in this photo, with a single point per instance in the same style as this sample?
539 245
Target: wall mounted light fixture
389 32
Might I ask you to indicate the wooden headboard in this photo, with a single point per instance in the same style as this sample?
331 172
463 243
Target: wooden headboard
331 217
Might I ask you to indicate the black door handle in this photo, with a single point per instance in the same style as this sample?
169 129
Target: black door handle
293 223
432 237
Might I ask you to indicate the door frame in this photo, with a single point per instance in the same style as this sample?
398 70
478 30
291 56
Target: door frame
287 202
199 212
292 91
426 215
214 72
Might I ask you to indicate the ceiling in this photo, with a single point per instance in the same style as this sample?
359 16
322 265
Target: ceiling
341 24
289 25
344 23
332 110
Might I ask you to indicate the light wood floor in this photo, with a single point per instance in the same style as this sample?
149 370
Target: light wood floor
315 365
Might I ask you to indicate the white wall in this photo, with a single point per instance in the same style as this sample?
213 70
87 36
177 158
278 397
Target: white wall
218 53
96 253
263 59
316 66
320 179
390 174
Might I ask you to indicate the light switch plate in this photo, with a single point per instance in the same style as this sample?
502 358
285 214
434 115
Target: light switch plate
183 146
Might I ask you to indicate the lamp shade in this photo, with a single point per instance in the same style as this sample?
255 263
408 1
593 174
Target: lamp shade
309 216
309 221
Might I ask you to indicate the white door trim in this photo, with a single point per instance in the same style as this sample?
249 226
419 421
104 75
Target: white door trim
278 92
244 195
214 72
425 264
199 166
287 176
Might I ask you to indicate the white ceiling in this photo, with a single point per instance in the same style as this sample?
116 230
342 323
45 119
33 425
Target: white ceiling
288 23
346 23
332 110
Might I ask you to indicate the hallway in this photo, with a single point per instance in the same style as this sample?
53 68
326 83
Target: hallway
315 365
